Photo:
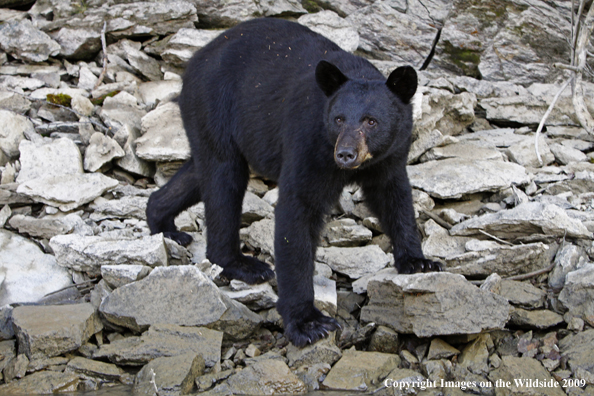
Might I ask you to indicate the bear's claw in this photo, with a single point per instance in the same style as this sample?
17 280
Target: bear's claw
310 328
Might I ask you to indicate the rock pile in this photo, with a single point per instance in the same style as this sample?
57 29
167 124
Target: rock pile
89 299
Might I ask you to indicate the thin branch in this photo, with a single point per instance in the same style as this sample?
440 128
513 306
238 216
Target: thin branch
576 30
495 238
438 220
566 67
104 45
544 118
71 286
522 276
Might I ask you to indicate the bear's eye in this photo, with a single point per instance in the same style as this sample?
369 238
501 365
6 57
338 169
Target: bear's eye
371 122
339 120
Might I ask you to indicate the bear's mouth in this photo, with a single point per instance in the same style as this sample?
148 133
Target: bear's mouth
351 150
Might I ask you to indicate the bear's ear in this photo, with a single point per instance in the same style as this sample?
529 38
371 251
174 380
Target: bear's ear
403 83
329 77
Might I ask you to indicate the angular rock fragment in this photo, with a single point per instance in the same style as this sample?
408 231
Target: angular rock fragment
330 25
42 382
267 377
164 340
578 293
537 319
67 192
49 158
185 43
173 375
414 304
47 331
24 41
89 253
524 220
346 233
524 369
158 298
164 137
29 274
123 208
94 369
355 261
255 297
454 178
359 371
122 274
100 151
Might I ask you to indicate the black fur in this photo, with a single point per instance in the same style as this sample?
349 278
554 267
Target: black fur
269 93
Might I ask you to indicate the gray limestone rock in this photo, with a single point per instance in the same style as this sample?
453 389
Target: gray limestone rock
537 319
131 162
29 274
238 322
78 43
267 377
164 340
522 294
354 262
120 110
89 253
524 152
123 274
579 349
13 102
475 355
15 127
281 8
425 141
67 192
42 382
578 293
384 339
254 208
325 297
524 220
524 368
47 331
42 228
346 233
260 234
381 27
453 178
156 298
49 158
414 304
440 349
359 371
153 92
172 376
224 13
323 351
463 150
100 151
183 44
94 369
330 25
255 297
24 41
164 137
123 208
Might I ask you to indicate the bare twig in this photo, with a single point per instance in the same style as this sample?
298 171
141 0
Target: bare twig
522 276
495 238
153 382
566 67
582 41
104 45
546 115
71 286
438 220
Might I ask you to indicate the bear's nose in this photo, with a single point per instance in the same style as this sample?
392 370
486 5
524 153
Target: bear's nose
345 157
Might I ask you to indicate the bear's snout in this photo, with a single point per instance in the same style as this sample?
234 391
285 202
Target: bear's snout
351 150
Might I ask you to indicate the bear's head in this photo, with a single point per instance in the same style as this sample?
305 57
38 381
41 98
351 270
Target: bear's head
367 120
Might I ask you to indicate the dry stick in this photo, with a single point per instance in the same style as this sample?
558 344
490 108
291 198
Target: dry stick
544 118
438 220
104 45
495 238
70 287
583 115
522 276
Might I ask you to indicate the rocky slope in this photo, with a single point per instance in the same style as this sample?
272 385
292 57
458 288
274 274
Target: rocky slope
89 299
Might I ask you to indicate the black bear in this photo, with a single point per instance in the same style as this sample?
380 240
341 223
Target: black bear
274 96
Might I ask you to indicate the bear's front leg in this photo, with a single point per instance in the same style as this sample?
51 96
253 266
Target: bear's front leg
296 234
391 201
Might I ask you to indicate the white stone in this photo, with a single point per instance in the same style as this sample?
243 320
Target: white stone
122 274
333 27
354 262
67 192
29 273
100 151
13 128
46 158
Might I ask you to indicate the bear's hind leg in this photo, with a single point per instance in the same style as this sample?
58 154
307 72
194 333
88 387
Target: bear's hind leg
223 198
181 192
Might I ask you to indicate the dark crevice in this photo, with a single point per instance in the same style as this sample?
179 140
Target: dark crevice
432 52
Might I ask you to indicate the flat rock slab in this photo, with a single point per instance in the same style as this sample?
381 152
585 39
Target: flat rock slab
453 178
89 253
537 319
46 157
432 304
94 369
164 341
164 137
51 330
579 349
123 274
67 192
354 262
504 260
24 41
29 274
578 293
171 375
524 368
359 371
42 382
524 220
180 295
268 377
